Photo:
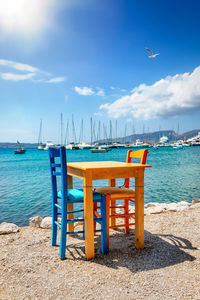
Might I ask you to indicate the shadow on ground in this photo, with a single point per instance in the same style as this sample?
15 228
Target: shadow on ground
161 250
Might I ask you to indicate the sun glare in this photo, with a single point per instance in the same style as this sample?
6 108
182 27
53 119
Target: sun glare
26 16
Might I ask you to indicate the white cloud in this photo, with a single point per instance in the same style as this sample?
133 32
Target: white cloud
100 92
17 66
171 96
39 75
16 77
56 79
85 91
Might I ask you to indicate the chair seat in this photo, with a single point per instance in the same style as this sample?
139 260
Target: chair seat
116 192
76 195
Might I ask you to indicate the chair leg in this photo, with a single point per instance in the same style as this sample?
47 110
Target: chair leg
54 226
83 230
126 203
63 236
95 209
108 217
104 246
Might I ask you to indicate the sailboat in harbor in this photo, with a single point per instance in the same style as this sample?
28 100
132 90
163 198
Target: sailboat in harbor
19 150
41 146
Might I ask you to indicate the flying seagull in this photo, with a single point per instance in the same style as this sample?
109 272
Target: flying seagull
152 55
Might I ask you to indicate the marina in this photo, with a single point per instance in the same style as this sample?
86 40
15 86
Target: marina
138 144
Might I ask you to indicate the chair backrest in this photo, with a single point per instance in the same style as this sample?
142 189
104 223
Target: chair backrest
140 154
58 169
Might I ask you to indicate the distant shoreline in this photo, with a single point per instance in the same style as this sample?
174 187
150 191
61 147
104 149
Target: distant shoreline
15 145
152 137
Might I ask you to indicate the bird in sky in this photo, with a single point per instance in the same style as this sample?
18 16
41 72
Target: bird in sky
152 55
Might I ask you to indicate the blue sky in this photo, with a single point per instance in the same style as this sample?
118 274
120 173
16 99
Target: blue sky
88 58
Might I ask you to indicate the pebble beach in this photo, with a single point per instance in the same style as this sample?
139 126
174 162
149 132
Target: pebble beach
167 268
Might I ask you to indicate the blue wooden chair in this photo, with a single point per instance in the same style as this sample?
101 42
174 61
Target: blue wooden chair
61 199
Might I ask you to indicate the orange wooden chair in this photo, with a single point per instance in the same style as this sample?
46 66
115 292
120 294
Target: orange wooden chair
120 193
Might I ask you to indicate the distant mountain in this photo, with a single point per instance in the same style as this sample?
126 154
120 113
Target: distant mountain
153 137
15 145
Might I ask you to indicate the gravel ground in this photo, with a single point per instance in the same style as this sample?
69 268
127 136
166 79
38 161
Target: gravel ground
167 268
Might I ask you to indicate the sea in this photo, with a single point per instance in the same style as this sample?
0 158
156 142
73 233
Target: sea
25 187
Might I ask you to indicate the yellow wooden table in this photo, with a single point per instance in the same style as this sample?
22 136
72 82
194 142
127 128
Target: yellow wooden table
89 171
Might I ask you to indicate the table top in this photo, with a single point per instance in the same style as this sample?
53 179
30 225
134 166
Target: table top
104 164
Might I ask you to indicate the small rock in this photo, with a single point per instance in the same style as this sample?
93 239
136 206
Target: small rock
150 204
35 221
195 205
46 223
195 201
8 228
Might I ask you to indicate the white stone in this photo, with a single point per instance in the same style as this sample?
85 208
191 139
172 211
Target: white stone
35 221
46 223
155 210
195 205
172 207
182 205
8 228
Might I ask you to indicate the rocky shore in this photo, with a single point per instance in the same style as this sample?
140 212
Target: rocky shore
167 268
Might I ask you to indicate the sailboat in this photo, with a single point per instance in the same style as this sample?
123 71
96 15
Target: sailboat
41 145
19 150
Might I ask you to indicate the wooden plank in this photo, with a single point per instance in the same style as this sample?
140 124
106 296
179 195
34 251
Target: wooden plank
75 172
70 206
118 172
139 210
88 215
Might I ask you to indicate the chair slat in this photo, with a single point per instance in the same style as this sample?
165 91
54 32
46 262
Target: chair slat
56 165
57 224
75 220
75 232
58 206
56 173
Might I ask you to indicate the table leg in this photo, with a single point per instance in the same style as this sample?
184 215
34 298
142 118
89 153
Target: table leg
70 206
139 210
112 222
88 216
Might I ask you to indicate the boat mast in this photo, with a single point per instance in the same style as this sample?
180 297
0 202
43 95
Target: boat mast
110 132
94 130
66 133
81 132
40 133
105 133
91 130
125 134
74 131
116 131
99 131
133 133
61 129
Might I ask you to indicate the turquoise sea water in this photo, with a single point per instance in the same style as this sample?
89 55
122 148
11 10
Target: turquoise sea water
25 189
